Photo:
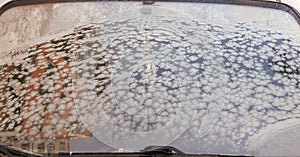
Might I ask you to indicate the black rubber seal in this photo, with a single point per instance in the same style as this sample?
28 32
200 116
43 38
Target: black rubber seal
257 3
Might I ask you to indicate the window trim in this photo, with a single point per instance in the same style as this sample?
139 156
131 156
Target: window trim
256 3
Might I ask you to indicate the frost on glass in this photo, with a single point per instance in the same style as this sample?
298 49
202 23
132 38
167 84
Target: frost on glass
157 75
29 25
152 79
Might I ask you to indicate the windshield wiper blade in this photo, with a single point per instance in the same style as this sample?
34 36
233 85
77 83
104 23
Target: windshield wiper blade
151 151
9 151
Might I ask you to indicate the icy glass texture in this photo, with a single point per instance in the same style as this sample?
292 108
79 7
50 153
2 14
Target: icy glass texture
206 78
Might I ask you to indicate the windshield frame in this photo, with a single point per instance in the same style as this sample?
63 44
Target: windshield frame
256 3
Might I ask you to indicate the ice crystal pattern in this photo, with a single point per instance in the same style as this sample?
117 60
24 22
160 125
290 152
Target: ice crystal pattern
206 85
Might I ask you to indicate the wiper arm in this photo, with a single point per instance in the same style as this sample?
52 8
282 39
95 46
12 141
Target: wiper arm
163 150
151 151
9 151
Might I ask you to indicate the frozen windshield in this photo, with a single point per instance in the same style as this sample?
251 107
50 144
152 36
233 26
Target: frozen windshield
107 76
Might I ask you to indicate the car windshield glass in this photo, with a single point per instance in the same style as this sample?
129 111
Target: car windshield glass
120 76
